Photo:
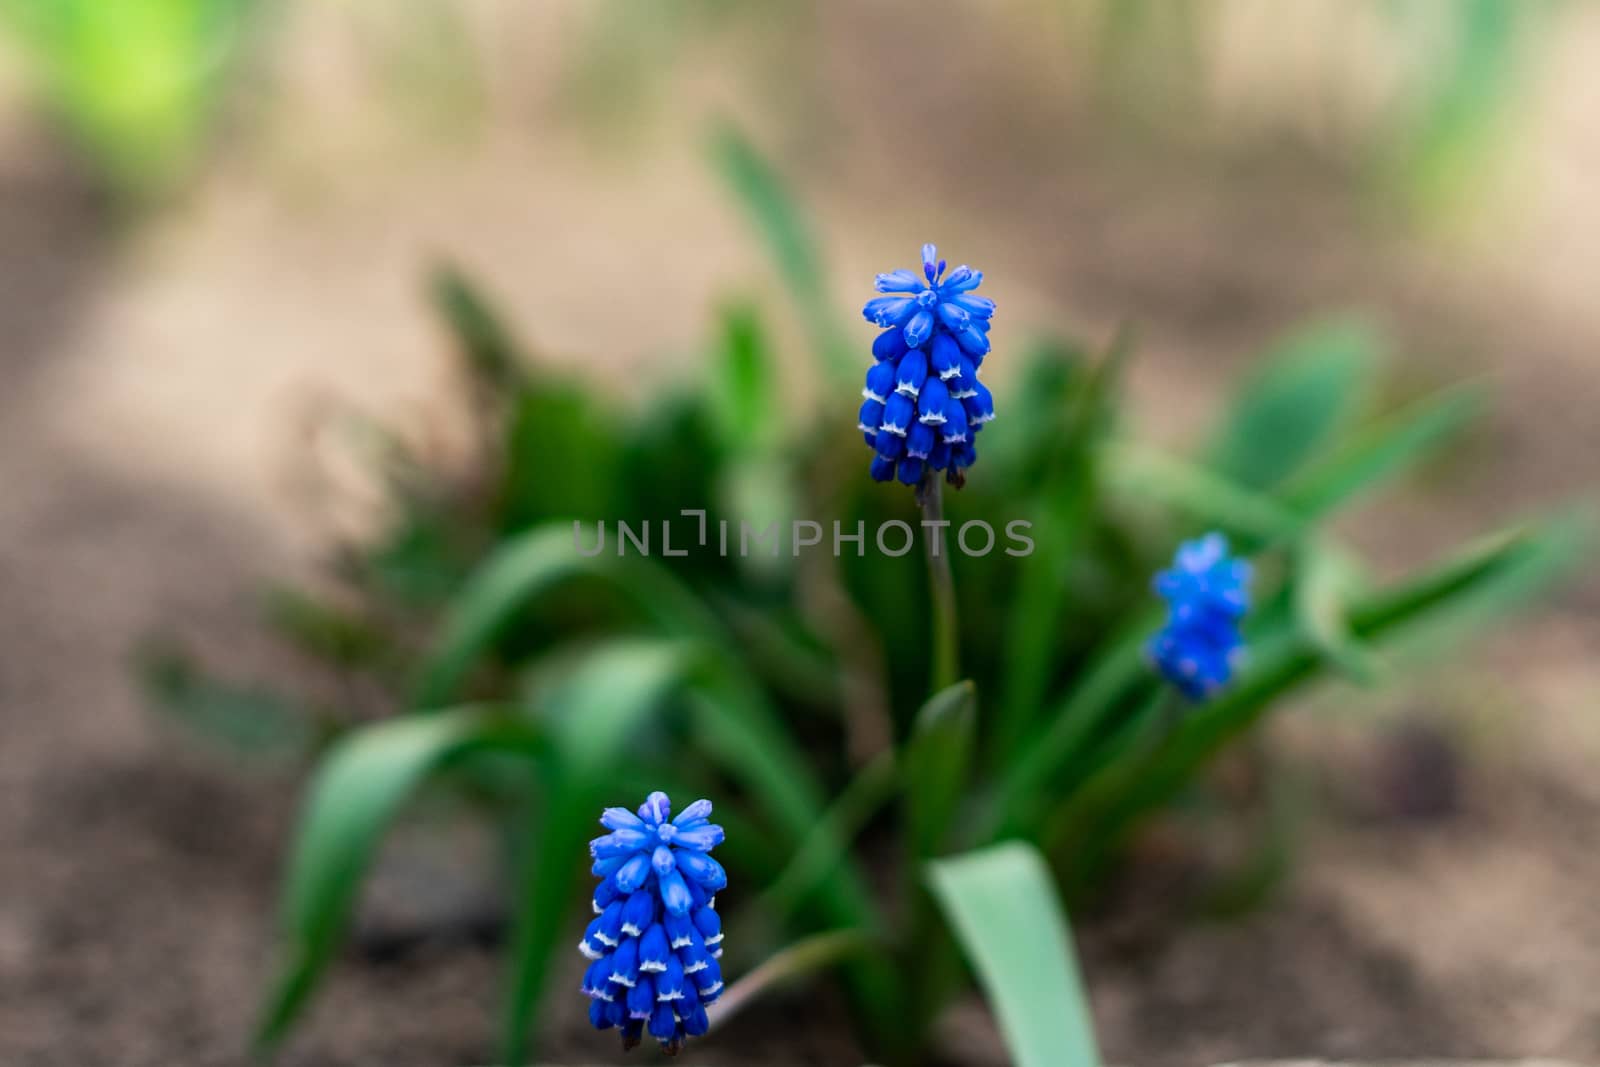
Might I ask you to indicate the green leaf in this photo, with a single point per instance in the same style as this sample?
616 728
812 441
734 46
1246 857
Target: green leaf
487 346
1063 487
251 721
527 566
1381 450
1320 584
772 207
352 799
1200 493
1311 384
1002 906
937 759
744 384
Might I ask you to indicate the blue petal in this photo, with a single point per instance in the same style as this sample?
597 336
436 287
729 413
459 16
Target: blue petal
871 416
670 985
889 445
954 318
918 329
890 344
696 1022
642 998
653 949
882 470
962 280
911 372
604 893
972 339
945 354
709 983
700 838
897 281
955 422
703 869
899 413
620 819
620 843
597 1015
880 382
910 471
889 310
662 860
638 913
709 923
625 963
657 808
920 440
980 406
606 865
930 261
631 875
680 931
931 404
663 1023
939 458
979 307
674 894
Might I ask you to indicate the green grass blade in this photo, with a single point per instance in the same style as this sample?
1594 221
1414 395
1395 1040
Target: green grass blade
1311 384
1001 903
1200 493
487 346
355 795
937 760
1377 452
524 568
764 196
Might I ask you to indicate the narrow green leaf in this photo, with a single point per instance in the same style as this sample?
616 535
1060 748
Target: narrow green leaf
524 568
1002 906
772 207
744 383
1376 452
937 759
1198 492
251 721
486 345
1310 385
1320 584
356 792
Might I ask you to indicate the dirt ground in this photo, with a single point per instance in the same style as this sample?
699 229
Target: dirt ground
151 377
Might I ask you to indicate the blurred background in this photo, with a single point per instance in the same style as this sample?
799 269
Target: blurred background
216 222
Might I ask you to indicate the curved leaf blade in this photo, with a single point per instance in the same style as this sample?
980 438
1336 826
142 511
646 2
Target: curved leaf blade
1002 906
356 793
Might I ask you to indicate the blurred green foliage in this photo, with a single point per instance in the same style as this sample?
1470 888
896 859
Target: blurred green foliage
137 83
795 691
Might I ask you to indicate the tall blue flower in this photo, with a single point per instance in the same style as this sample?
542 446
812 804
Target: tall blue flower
656 936
924 403
1207 593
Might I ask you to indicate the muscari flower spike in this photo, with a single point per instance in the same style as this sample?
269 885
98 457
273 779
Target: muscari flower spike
656 937
924 403
1207 593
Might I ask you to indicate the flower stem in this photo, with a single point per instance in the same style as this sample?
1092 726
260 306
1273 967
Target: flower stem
946 662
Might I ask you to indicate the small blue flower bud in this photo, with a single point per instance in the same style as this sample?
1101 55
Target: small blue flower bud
625 963
669 986
919 328
880 382
638 913
888 444
681 931
653 949
642 998
599 1018
674 894
911 373
920 439
882 469
631 875
953 431
1207 593
663 1022
703 869
910 471
890 344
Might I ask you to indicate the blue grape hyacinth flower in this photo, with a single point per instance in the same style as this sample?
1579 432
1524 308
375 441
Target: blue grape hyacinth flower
656 937
924 403
1207 593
